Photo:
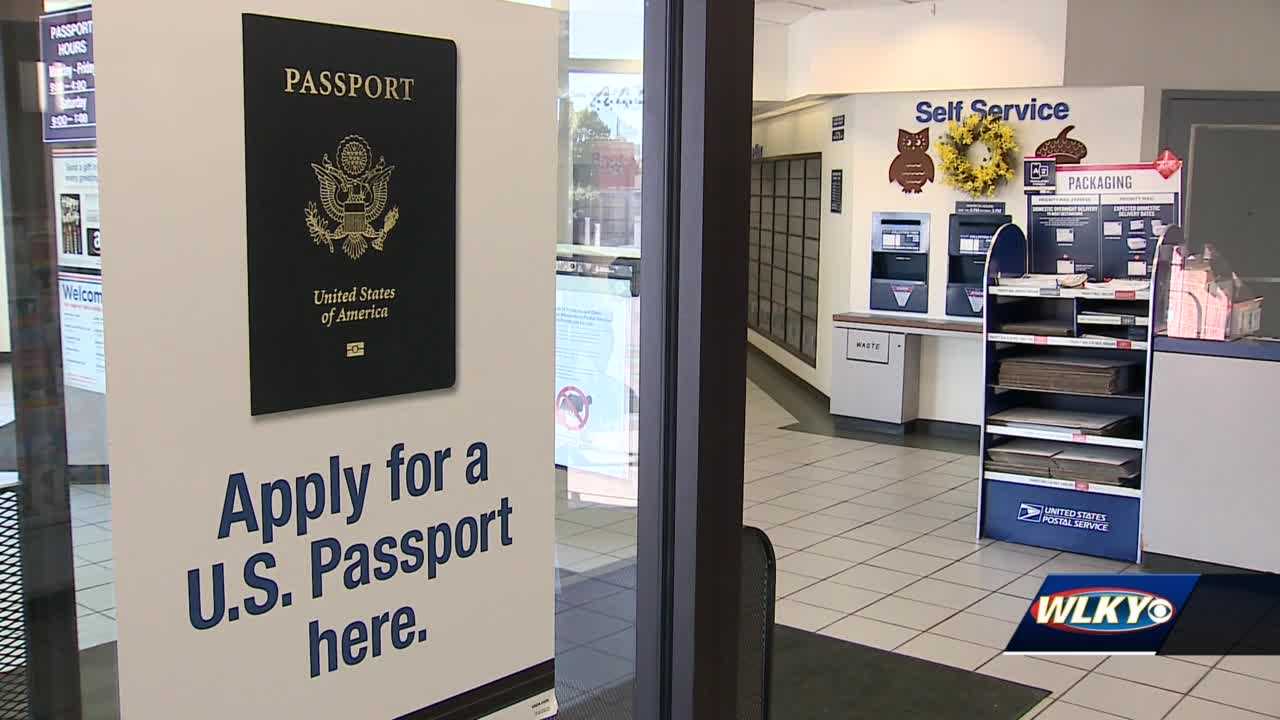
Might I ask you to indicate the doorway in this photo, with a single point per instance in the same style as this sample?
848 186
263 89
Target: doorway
649 587
1231 144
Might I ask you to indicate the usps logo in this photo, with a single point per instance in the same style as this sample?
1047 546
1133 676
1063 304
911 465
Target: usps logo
1027 512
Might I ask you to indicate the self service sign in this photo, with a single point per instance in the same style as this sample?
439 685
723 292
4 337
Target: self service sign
66 52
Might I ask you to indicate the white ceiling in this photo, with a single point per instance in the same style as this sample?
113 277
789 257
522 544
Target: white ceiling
785 12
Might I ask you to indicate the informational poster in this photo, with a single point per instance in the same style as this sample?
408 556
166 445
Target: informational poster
75 200
1064 232
70 82
78 243
382 559
84 360
596 384
1104 220
980 207
351 212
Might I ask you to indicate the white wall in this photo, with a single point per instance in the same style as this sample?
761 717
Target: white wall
1108 120
769 70
966 44
1173 44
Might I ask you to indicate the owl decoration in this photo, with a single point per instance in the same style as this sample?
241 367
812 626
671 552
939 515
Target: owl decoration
913 167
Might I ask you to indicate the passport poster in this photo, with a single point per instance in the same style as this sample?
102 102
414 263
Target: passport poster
350 172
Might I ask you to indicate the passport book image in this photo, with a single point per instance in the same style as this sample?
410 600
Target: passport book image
351 224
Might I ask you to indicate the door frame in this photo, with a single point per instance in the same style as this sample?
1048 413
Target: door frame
1180 141
696 153
52 671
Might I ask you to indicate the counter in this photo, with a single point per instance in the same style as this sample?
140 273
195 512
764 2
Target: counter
1210 490
875 363
911 325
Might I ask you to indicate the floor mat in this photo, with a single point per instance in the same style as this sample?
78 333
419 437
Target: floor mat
98 683
815 676
9 447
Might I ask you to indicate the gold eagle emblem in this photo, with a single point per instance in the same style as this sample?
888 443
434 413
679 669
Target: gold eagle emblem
354 193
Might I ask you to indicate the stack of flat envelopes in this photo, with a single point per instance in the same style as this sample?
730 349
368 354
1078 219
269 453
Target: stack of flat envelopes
1024 457
1068 373
1066 421
1098 464
1049 326
1067 461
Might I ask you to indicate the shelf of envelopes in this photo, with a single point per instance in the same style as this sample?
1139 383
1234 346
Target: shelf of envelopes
1020 388
1079 342
1112 319
1060 484
1067 437
1090 518
1084 293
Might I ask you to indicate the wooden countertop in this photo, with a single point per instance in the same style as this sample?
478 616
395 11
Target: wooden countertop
906 324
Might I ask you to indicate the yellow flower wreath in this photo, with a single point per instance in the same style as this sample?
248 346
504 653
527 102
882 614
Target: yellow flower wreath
978 180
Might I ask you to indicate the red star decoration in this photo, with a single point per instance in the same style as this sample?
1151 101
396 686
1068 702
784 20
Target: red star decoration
1167 163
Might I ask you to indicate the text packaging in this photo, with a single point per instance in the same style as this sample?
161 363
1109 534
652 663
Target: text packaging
313 500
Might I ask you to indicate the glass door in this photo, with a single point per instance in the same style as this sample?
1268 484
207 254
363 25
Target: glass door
634 549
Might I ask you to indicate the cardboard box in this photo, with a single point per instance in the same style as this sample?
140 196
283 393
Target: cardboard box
1203 306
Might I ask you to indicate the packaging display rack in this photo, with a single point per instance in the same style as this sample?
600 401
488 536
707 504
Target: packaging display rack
1100 324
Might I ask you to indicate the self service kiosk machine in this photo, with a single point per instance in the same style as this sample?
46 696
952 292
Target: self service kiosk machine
967 245
900 261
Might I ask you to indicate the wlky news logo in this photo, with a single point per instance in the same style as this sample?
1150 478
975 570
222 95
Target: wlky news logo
1219 614
1102 613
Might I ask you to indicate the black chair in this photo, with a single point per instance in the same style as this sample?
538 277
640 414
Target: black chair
755 644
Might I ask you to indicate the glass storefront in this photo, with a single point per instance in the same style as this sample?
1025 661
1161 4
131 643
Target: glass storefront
597 350
57 462
908 280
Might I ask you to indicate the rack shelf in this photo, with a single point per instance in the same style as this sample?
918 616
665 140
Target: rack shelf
1080 342
1085 293
1113 320
1077 438
1059 484
1020 388
1090 518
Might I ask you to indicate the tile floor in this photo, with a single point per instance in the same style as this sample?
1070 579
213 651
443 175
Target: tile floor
875 545
595 596
95 572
